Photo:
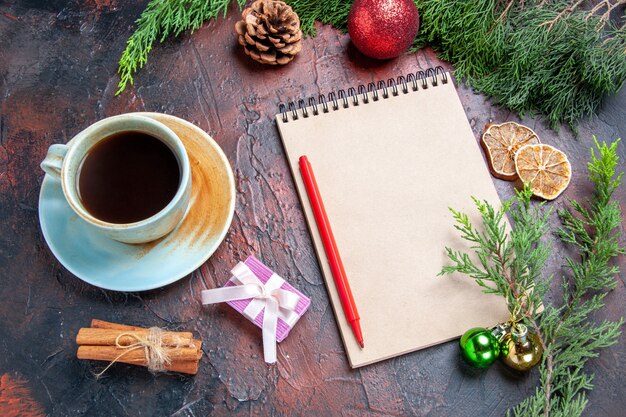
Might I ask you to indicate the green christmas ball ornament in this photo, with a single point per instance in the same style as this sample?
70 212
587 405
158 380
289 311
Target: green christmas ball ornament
479 347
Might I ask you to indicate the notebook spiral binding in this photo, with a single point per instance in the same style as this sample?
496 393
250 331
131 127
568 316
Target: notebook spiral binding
361 93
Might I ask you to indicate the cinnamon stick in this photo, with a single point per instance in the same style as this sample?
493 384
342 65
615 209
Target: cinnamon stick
101 324
108 337
137 357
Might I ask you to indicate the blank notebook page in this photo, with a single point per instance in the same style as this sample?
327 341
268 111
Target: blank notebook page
387 171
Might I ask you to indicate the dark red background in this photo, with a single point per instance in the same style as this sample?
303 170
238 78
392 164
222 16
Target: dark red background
58 63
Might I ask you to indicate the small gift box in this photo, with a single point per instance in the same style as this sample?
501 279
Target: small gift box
264 298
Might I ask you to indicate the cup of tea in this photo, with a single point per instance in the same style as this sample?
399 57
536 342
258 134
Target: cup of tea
127 175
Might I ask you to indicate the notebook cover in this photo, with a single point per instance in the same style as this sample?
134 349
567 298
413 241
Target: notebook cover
388 171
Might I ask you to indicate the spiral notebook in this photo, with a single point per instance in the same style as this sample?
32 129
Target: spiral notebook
389 159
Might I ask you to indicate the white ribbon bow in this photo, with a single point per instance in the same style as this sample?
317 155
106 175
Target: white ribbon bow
278 303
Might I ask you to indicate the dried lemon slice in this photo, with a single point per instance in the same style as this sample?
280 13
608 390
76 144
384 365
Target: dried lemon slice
546 168
501 142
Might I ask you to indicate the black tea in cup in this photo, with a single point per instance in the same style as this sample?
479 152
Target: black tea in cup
128 177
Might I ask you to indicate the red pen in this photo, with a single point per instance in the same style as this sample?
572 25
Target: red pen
330 246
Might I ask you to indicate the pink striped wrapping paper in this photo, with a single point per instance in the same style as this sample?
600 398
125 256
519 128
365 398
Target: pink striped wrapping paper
263 273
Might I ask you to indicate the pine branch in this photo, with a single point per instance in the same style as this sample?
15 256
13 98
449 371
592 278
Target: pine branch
547 57
511 265
573 338
568 10
161 19
604 17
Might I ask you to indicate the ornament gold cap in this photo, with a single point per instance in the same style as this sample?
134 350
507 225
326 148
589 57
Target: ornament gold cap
519 332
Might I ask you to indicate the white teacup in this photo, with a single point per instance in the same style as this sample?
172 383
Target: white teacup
63 162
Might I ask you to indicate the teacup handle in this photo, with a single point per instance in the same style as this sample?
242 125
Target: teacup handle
54 160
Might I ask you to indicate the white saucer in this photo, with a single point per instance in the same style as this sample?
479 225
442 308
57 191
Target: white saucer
112 265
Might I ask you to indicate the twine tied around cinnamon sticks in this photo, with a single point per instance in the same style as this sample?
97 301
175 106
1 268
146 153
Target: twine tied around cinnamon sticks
154 348
152 344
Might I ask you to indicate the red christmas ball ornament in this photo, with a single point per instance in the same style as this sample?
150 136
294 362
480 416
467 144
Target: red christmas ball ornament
383 29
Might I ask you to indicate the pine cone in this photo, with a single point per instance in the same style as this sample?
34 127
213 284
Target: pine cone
270 32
